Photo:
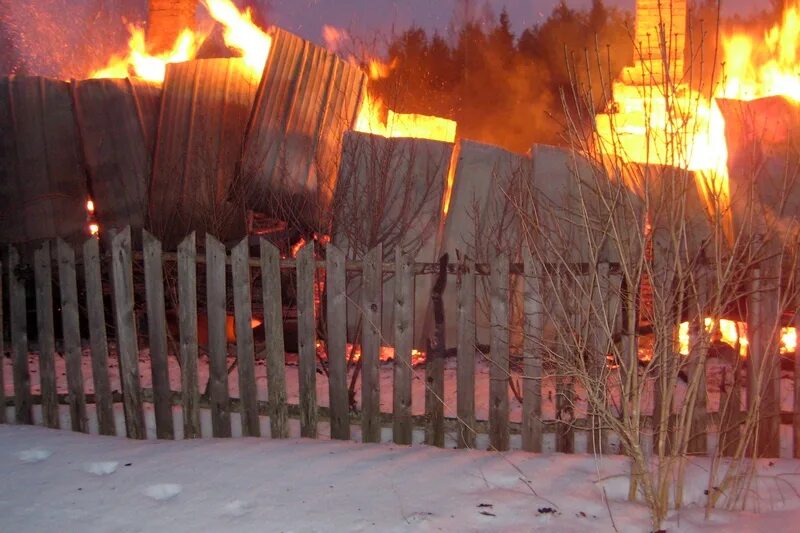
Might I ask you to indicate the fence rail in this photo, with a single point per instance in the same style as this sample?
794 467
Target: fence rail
236 269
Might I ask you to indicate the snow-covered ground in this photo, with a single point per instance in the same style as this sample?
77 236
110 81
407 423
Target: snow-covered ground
58 480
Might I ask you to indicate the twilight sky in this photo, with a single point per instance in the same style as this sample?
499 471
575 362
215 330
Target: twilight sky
306 17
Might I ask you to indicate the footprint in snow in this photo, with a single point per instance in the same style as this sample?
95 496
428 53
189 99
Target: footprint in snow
236 508
163 491
102 468
34 455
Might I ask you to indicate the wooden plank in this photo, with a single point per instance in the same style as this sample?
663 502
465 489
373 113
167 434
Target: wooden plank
2 354
434 364
307 340
97 336
698 352
273 332
335 285
217 337
245 346
565 411
372 284
187 322
796 416
19 339
47 344
70 324
157 334
499 355
127 346
533 355
403 344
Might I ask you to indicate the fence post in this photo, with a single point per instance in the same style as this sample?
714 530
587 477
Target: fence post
499 354
307 340
2 353
698 353
372 281
44 320
273 331
127 348
157 335
434 365
532 366
95 310
19 339
335 285
187 311
465 356
403 345
217 337
72 335
245 349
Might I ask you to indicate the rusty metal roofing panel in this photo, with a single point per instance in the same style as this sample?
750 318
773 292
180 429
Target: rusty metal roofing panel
204 112
307 99
117 120
42 183
390 191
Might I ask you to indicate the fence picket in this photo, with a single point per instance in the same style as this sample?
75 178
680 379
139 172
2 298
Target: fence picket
245 348
698 350
187 311
335 285
499 354
465 371
157 335
70 324
372 283
796 417
273 332
23 413
43 274
434 365
2 353
307 340
403 344
97 336
217 337
127 346
532 366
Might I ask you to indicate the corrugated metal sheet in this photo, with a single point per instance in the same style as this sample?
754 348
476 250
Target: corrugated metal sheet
42 183
390 191
481 220
762 136
204 111
117 122
307 99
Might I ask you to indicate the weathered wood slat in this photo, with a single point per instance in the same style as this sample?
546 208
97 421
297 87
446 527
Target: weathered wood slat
403 344
127 346
499 348
434 365
157 334
47 344
698 353
533 352
217 337
2 353
19 339
98 341
372 300
796 419
273 332
335 285
307 340
70 323
465 372
245 346
187 311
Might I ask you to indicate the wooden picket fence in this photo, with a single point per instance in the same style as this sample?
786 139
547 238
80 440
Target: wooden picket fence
218 263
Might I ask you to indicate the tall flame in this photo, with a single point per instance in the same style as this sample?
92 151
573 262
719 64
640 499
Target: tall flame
241 33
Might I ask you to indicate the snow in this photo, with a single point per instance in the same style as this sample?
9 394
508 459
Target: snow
250 484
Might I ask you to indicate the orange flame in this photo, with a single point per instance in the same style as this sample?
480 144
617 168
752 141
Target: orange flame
242 34
732 332
138 62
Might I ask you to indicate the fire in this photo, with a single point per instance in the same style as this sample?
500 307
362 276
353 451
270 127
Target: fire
373 110
138 62
386 354
732 332
242 34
